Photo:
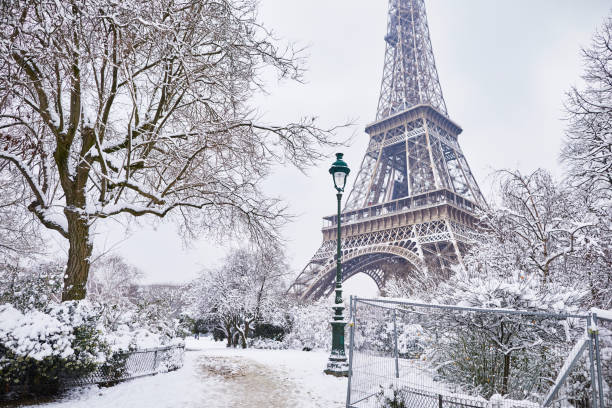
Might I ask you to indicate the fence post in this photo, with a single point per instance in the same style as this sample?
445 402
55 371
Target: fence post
351 347
595 334
439 400
395 338
155 361
592 361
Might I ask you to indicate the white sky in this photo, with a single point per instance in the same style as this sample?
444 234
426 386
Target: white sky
503 65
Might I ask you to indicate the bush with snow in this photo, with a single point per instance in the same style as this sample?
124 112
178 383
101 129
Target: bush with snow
508 354
309 326
267 344
30 288
38 349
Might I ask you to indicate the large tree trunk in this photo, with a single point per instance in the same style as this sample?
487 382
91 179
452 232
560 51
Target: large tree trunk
79 262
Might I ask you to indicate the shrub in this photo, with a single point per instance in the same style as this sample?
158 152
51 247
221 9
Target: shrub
38 350
269 331
30 288
309 326
393 398
268 344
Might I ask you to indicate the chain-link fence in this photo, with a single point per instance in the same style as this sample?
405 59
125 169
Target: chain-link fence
405 354
132 364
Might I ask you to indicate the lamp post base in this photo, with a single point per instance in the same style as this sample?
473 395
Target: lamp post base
337 366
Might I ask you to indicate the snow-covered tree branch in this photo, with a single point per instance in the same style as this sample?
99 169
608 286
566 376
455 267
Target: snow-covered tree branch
588 146
142 108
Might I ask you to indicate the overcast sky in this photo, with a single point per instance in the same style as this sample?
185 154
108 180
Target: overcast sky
503 65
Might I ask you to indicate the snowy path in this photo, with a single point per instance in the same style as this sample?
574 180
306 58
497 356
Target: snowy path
216 377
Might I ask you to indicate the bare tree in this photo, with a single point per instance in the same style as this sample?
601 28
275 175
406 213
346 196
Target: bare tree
19 232
111 108
111 279
539 220
588 146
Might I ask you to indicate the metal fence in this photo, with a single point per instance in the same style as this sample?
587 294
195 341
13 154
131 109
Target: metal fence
406 354
132 364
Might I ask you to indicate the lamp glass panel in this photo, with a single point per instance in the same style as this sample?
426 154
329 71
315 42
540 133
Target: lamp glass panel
339 178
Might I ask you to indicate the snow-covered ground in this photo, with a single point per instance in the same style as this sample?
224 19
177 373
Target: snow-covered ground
217 377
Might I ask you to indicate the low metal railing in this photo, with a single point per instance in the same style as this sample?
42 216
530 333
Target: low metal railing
132 364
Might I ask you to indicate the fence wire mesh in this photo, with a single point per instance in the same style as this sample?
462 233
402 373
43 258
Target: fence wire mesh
417 355
132 364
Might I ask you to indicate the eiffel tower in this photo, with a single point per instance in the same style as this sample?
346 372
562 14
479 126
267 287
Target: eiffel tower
411 213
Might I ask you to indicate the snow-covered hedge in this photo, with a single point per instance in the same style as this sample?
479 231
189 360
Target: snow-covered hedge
38 349
41 348
267 344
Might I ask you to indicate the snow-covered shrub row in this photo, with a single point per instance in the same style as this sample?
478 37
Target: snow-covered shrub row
128 316
402 397
41 348
38 349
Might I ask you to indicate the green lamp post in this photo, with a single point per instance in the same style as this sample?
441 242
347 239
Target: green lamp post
337 364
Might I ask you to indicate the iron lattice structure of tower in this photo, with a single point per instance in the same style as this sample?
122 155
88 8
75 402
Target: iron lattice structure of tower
411 212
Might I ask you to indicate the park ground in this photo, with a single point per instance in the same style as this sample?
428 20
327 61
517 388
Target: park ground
214 376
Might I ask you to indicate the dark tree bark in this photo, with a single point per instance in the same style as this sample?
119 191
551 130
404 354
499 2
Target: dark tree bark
79 258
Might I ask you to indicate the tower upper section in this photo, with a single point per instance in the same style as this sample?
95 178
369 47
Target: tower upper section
409 77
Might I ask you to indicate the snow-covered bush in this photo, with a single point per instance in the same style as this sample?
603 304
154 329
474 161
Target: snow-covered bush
508 354
272 331
268 344
375 329
309 326
412 340
30 288
38 349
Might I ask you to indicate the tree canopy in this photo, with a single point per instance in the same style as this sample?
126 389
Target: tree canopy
111 108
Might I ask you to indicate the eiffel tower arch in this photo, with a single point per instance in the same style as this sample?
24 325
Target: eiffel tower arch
412 210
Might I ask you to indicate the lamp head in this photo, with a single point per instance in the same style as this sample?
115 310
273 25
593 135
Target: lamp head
339 170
